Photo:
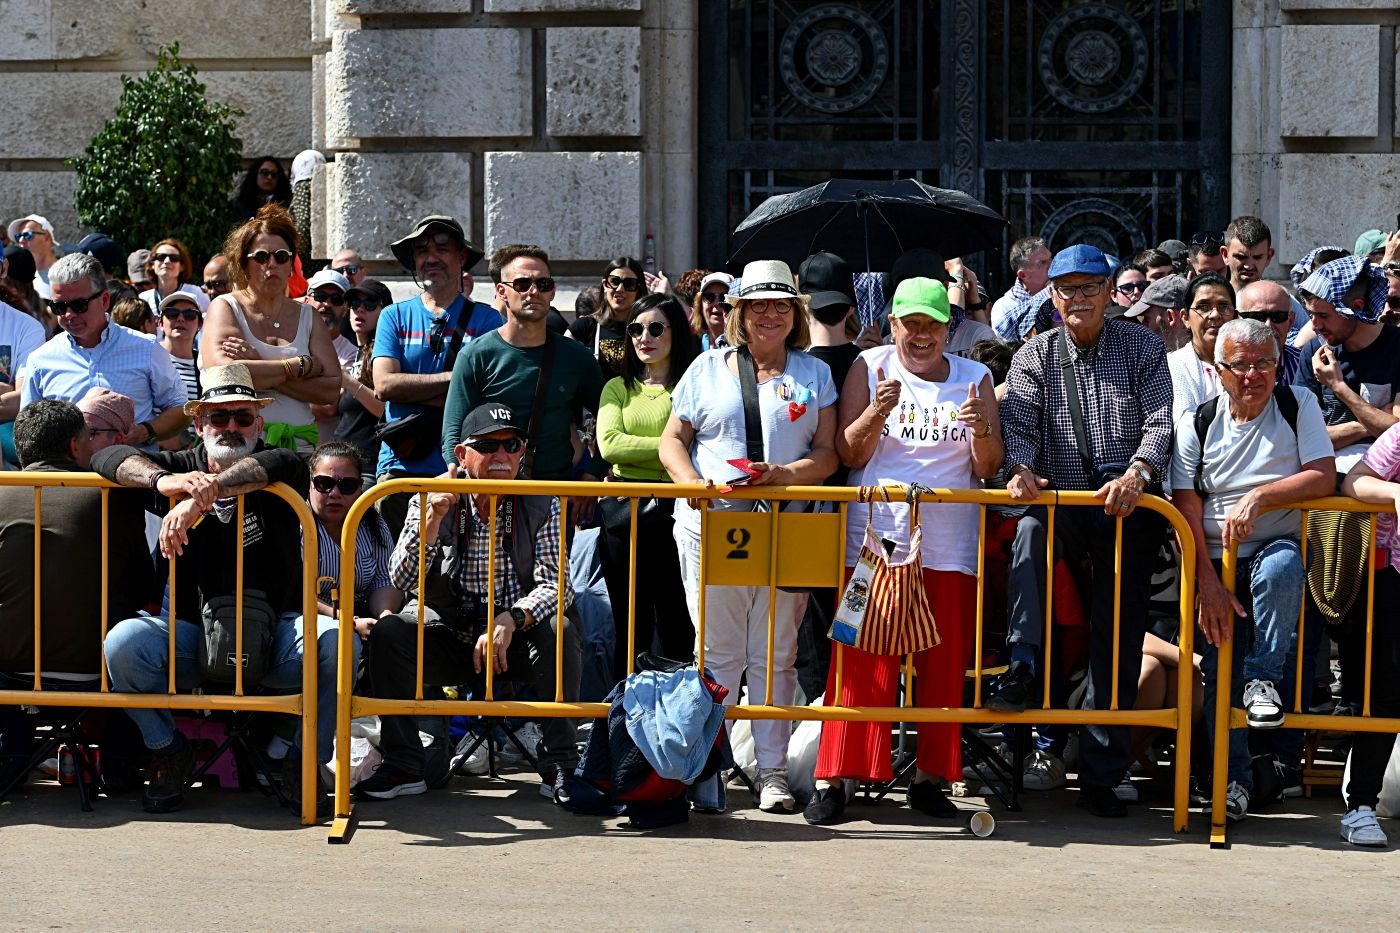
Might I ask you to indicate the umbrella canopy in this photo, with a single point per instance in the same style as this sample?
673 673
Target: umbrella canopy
867 223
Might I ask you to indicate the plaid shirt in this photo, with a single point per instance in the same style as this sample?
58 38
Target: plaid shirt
1125 392
473 571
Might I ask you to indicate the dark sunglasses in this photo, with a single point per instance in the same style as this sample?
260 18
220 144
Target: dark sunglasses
636 329
490 445
1133 287
346 485
628 284
261 256
1208 238
351 269
165 257
175 314
76 306
220 418
334 299
522 285
1276 317
716 298
268 173
368 304
215 284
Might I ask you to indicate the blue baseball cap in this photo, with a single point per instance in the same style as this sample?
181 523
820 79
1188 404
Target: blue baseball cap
1079 259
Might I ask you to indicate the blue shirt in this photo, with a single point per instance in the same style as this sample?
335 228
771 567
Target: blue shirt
404 333
124 361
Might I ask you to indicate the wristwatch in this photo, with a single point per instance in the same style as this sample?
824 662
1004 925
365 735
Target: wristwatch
518 614
1143 472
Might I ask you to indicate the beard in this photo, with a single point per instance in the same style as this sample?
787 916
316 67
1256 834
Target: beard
228 448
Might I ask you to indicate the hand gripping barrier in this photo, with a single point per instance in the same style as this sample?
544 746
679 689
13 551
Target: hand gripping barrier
1228 716
302 705
757 537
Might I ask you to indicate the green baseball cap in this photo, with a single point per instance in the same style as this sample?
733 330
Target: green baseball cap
920 295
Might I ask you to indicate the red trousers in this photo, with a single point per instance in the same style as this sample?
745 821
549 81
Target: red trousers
861 750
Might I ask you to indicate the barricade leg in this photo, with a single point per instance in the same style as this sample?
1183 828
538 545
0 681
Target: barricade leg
1370 751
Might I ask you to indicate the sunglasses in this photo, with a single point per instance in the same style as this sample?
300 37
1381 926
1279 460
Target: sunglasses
522 285
1276 317
636 329
165 257
349 270
716 298
261 256
268 173
346 485
490 445
366 304
1208 238
215 284
28 235
335 299
220 418
1132 287
628 284
76 306
175 314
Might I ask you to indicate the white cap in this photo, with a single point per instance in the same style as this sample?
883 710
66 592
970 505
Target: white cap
41 221
714 277
328 277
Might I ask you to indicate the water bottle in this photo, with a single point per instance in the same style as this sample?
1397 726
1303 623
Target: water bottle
649 254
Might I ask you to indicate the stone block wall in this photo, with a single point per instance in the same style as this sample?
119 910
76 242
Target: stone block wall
62 61
1316 120
568 123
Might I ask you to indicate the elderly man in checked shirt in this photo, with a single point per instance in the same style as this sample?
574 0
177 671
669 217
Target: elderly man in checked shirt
527 587
1125 397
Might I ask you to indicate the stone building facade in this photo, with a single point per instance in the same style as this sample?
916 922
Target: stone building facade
587 124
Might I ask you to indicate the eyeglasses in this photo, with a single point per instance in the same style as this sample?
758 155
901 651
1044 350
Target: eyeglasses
220 417
1262 366
770 306
213 285
522 285
1213 310
717 298
367 304
1133 287
165 257
636 329
627 284
1208 239
335 299
27 235
1070 291
346 485
1274 317
261 256
268 173
174 314
490 445
103 431
76 306
348 270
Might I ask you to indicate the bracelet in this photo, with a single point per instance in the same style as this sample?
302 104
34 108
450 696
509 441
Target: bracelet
287 368
875 408
986 433
158 476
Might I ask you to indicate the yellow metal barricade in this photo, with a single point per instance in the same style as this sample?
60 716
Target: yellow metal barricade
302 705
749 548
1228 716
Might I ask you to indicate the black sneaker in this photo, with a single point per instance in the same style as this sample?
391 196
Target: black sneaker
1100 801
1268 782
928 798
1010 692
291 785
169 771
388 782
827 806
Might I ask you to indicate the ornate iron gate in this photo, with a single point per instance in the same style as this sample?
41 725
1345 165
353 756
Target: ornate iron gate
1097 122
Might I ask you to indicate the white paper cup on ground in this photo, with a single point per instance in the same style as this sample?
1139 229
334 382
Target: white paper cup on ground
982 824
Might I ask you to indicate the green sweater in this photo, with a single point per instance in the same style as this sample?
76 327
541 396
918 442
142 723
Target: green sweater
629 429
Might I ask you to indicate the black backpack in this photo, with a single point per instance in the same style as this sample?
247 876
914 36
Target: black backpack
1205 413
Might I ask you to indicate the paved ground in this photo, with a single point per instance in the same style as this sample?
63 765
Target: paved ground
497 853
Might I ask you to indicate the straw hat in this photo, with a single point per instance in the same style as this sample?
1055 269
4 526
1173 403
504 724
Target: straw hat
769 278
229 383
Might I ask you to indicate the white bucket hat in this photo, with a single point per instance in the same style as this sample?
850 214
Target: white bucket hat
769 278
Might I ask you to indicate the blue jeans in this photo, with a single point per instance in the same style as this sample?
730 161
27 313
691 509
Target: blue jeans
137 651
1270 587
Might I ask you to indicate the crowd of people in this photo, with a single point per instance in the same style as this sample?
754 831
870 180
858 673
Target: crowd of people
1180 372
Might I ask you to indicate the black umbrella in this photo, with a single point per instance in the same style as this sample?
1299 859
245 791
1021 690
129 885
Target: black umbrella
867 223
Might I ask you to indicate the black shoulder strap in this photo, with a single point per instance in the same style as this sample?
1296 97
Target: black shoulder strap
1287 406
753 421
532 432
459 333
1205 414
1076 414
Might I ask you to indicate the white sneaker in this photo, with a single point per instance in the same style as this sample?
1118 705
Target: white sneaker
1043 772
478 762
1126 791
1262 704
1236 802
1360 828
529 735
773 795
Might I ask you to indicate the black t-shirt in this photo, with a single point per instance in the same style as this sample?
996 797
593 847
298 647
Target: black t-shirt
356 427
271 532
606 342
556 323
840 359
1372 372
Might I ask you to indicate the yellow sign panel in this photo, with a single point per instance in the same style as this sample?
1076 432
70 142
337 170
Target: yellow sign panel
738 549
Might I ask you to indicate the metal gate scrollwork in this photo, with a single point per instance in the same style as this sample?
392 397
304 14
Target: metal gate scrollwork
837 48
1093 58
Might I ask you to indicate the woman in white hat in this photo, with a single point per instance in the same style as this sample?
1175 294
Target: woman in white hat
767 332
711 309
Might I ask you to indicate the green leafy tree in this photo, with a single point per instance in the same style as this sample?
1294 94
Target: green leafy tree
164 164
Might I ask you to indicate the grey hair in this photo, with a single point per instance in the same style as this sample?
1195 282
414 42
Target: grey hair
1021 251
1247 333
75 267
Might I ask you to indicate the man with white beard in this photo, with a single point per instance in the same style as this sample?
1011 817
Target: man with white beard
197 532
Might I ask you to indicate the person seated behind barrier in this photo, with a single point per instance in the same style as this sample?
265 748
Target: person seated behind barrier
457 528
1124 390
198 532
1376 478
890 390
1251 458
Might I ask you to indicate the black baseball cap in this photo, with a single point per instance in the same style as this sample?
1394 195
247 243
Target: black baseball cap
105 250
827 278
488 418
372 288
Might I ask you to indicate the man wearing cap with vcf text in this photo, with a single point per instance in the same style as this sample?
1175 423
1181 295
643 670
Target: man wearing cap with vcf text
456 610
415 344
1112 436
